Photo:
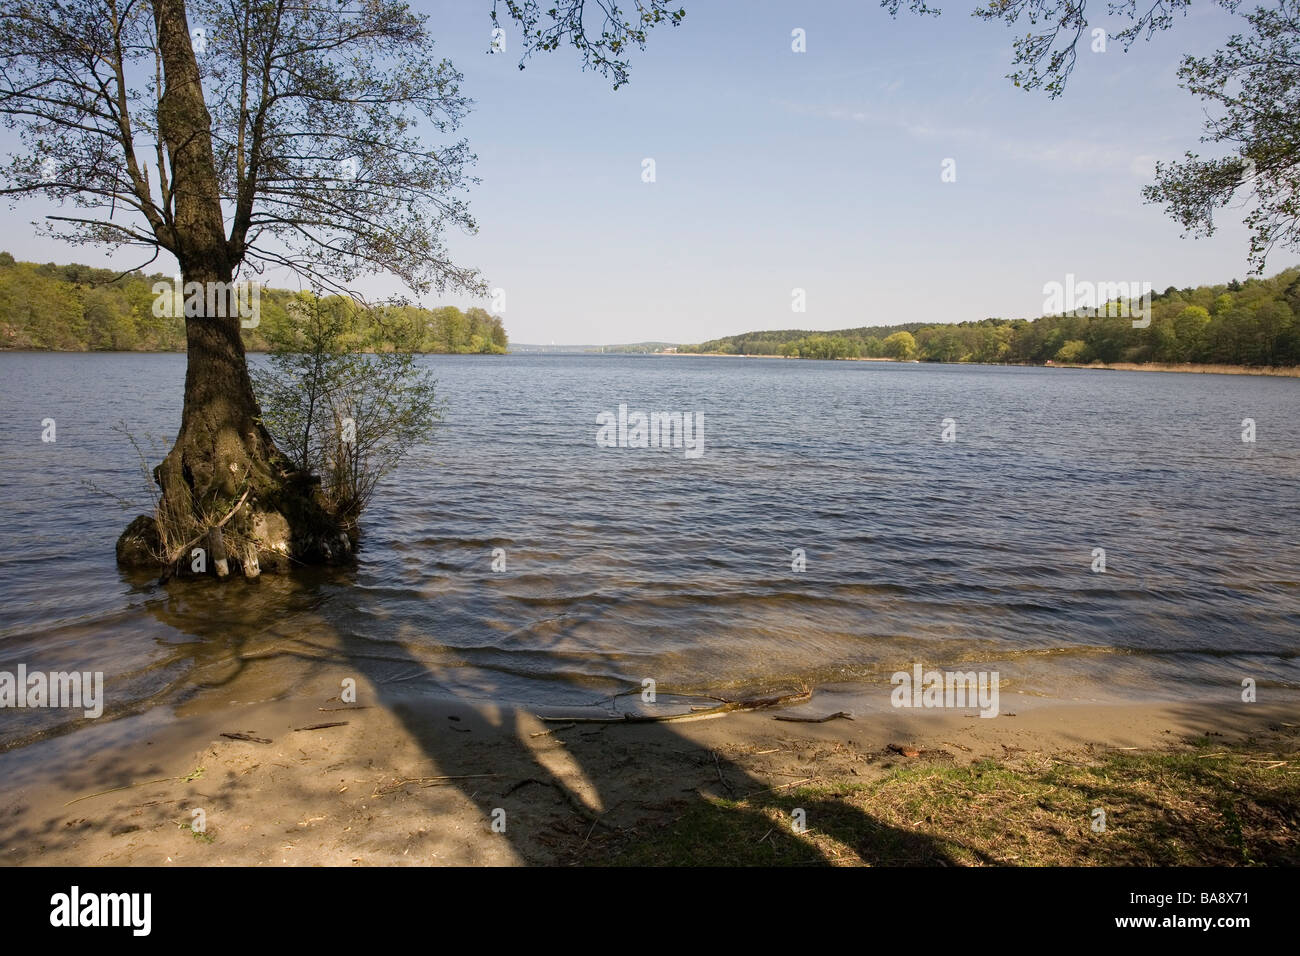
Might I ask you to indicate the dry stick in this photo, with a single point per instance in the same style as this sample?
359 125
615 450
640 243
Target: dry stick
249 737
814 720
430 781
783 786
336 723
142 783
543 733
727 707
100 793
720 776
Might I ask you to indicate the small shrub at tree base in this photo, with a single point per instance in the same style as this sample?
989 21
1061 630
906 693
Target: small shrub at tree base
345 417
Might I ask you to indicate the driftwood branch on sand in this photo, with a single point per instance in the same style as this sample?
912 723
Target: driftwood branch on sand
843 714
726 707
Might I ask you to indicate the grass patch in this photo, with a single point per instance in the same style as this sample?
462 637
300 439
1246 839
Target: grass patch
203 836
1223 807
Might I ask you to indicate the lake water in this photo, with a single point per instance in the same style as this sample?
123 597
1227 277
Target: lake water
626 563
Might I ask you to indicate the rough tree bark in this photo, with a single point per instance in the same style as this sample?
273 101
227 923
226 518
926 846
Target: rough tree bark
222 448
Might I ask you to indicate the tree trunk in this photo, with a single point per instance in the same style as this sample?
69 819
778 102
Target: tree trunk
222 449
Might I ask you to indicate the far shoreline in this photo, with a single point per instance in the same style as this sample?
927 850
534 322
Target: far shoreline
1281 371
1267 371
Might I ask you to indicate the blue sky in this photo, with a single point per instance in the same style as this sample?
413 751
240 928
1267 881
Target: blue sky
820 170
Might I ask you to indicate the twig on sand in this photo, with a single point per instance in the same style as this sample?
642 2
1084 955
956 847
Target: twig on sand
431 781
722 778
543 733
813 720
250 737
142 783
333 723
784 786
726 707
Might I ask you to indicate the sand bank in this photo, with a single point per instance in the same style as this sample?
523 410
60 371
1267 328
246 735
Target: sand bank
433 782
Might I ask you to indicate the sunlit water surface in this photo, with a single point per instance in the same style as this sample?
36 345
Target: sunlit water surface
623 564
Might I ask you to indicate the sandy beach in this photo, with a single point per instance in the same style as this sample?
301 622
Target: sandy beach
423 781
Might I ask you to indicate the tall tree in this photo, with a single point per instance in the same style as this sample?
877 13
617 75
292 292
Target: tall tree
242 134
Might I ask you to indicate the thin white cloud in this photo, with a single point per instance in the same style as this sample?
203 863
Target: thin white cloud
1066 155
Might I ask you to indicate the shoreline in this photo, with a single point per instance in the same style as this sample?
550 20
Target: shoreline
418 780
1285 371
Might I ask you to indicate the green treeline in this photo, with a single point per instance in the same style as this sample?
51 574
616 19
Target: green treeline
1256 322
79 308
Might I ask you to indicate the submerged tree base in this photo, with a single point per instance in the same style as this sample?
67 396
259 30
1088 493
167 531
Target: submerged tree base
271 525
263 541
230 502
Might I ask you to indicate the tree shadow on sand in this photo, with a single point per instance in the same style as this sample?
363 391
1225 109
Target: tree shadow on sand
640 793
447 772
630 793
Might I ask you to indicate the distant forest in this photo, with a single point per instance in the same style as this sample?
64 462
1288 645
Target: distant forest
79 308
1256 322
